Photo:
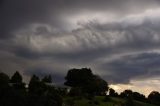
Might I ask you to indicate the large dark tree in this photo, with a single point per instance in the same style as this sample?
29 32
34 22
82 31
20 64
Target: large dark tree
78 77
85 80
96 86
154 97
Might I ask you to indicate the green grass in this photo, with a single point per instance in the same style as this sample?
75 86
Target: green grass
100 101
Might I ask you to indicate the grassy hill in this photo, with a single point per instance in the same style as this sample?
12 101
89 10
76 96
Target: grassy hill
99 101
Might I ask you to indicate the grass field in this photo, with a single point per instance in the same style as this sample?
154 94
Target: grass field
99 101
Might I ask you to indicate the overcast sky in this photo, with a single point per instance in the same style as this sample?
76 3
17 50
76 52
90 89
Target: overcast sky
118 39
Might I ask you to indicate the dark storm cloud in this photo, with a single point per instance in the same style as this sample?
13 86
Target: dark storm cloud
133 66
140 38
19 13
96 40
46 37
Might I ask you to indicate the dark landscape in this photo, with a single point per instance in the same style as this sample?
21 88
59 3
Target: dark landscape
83 88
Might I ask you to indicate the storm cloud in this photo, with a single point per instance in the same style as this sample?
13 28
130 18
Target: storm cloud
118 40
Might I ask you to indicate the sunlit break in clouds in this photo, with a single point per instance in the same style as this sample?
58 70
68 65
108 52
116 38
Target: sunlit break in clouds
118 39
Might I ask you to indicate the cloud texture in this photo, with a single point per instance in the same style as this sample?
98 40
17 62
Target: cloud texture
119 40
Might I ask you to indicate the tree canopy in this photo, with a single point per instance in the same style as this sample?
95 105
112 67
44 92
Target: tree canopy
86 81
82 81
112 92
154 97
47 79
126 93
16 78
78 77
4 79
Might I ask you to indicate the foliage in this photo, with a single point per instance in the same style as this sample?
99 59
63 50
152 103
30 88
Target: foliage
4 80
35 85
126 93
41 93
96 86
78 77
113 93
47 79
4 87
75 91
154 97
86 81
138 96
16 78
13 92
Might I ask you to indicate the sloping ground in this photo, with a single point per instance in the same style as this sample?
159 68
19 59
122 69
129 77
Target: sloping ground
99 101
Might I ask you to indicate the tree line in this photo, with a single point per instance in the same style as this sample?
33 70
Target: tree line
13 92
82 83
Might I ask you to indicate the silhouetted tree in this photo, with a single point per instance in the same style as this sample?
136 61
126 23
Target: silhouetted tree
4 80
75 91
96 86
129 94
47 79
41 94
138 96
38 93
52 97
112 93
14 93
16 81
16 78
85 80
4 88
78 77
34 85
154 97
126 93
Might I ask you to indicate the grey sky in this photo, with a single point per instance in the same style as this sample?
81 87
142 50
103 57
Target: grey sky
118 39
